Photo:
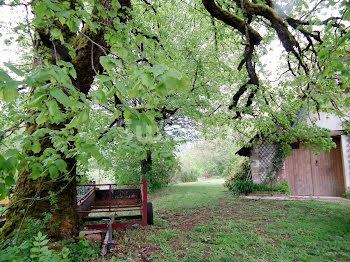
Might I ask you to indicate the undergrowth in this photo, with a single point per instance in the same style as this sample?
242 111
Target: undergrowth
31 244
246 187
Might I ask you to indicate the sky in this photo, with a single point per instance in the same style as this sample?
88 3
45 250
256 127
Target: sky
8 19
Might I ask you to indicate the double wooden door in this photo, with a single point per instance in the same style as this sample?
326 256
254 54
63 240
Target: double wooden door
312 175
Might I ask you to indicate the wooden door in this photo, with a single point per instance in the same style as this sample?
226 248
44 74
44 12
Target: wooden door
298 170
327 172
311 175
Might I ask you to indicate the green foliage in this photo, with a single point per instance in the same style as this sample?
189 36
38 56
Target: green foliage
247 186
32 245
188 176
239 182
347 193
282 187
239 170
40 251
241 187
80 249
208 158
187 67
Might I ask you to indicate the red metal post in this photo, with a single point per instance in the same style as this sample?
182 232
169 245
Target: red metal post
110 197
144 201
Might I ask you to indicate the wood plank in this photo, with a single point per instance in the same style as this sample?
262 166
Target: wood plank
298 172
108 241
327 172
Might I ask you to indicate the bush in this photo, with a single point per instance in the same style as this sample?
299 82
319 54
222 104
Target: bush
188 176
282 187
347 193
245 187
241 172
30 244
241 187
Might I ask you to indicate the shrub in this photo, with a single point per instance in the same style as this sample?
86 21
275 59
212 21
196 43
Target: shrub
241 172
188 176
241 187
347 193
30 244
282 187
244 187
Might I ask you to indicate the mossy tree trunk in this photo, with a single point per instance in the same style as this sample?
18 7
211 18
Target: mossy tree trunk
33 199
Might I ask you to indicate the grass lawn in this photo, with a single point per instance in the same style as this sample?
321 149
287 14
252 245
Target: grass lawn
201 221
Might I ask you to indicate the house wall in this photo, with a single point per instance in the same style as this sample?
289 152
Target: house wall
345 143
259 159
255 166
329 121
261 162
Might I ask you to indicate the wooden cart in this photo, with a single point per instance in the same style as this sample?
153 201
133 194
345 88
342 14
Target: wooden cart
128 205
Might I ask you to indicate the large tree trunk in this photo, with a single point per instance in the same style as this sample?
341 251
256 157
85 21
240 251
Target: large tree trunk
146 164
33 199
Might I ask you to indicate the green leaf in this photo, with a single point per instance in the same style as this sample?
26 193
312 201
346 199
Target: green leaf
2 162
73 73
44 242
100 97
4 77
9 181
61 165
41 132
40 8
74 122
3 191
139 38
84 116
73 24
12 152
108 63
347 15
14 69
161 90
9 92
146 79
61 97
55 111
174 73
59 75
42 118
36 147
158 70
57 34
37 100
36 170
123 53
116 5
53 172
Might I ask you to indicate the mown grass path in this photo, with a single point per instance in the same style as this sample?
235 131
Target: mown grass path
201 221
